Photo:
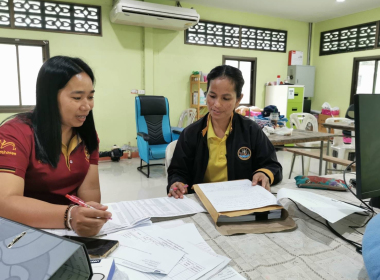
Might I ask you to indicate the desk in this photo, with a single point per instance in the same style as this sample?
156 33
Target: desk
302 136
341 126
309 252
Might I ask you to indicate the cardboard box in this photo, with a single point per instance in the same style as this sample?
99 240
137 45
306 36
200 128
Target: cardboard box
321 120
295 58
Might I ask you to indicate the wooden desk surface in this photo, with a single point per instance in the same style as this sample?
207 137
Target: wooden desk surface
350 127
299 136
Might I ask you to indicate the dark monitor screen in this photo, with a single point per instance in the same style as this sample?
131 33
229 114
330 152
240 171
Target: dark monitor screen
367 145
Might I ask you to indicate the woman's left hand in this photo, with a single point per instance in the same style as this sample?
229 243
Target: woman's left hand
261 179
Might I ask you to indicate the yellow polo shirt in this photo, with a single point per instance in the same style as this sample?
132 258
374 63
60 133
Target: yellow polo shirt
217 163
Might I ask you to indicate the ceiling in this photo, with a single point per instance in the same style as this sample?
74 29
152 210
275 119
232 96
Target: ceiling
301 10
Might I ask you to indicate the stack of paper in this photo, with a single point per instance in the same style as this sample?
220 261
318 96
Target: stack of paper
130 214
198 260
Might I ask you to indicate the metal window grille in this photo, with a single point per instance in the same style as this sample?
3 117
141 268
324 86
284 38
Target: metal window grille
349 39
235 36
4 13
51 16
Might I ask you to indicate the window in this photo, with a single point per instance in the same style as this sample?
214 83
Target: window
20 62
366 76
353 38
50 16
226 35
247 66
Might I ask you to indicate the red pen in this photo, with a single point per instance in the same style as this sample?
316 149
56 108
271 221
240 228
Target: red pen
185 186
79 201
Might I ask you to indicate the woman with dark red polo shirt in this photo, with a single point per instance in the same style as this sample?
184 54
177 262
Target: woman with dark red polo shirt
53 151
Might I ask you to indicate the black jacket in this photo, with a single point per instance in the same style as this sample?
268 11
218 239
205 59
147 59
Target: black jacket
190 158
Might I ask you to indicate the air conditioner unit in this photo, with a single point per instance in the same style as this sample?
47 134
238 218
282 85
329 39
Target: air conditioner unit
153 15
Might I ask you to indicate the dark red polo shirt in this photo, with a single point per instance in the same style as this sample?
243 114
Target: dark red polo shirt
42 181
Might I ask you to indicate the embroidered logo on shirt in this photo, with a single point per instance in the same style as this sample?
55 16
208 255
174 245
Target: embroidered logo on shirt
10 147
244 153
87 154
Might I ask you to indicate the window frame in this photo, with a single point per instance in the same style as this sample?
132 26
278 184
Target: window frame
253 74
45 55
355 73
240 27
12 19
376 44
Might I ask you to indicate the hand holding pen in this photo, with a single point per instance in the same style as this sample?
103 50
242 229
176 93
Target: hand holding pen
80 202
89 218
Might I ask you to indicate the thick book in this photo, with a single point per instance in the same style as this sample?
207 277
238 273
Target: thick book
229 195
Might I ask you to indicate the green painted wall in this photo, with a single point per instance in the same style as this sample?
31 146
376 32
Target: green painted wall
128 57
334 72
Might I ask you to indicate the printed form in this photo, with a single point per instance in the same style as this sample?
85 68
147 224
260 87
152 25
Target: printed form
194 264
237 195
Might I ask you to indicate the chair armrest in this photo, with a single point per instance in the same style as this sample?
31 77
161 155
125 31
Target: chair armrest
176 130
143 135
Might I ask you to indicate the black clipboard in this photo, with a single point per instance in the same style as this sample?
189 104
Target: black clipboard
33 254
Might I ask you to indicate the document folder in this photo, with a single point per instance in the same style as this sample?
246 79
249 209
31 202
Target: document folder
30 254
276 225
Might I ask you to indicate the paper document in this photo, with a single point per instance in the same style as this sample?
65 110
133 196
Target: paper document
159 207
194 264
130 214
237 195
150 258
328 208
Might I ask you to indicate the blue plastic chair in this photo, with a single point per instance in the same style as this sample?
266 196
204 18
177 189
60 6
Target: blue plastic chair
153 129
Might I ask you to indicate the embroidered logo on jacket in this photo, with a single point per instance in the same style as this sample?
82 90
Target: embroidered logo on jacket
10 145
87 154
244 153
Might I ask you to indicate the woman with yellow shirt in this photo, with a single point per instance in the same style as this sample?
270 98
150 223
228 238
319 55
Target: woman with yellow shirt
223 145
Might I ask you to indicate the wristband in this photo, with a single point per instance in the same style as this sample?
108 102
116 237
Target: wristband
65 217
69 218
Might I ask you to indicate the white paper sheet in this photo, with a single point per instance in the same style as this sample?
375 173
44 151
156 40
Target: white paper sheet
328 208
237 195
150 258
193 265
189 232
159 207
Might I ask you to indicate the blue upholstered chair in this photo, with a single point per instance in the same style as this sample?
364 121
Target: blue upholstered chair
153 129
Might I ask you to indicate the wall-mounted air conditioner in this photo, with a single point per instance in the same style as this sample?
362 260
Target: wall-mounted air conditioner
153 15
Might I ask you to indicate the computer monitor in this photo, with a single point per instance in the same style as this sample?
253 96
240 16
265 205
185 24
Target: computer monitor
367 146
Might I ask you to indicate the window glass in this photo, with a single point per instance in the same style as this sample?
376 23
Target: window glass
30 63
9 90
365 77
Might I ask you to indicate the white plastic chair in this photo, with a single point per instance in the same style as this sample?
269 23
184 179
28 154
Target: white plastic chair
302 121
169 155
338 145
187 117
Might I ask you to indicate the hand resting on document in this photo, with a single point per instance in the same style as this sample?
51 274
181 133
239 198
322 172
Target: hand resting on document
177 190
261 179
88 222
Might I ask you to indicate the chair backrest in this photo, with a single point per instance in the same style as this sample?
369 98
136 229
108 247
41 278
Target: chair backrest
338 141
187 117
169 155
152 118
302 120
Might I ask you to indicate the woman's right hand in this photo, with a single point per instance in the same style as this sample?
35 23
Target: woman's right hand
177 190
87 221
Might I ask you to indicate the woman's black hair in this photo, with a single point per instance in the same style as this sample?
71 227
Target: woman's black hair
45 119
229 72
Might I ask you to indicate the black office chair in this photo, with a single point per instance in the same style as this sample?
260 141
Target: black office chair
350 114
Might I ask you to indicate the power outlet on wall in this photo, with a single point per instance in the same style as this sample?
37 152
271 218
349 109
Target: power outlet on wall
141 91
134 91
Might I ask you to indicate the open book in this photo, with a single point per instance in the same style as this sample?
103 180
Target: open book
239 198
238 201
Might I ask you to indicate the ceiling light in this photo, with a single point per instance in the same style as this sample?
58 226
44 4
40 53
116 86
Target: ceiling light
340 0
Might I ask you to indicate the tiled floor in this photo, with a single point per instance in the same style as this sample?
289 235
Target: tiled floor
121 181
